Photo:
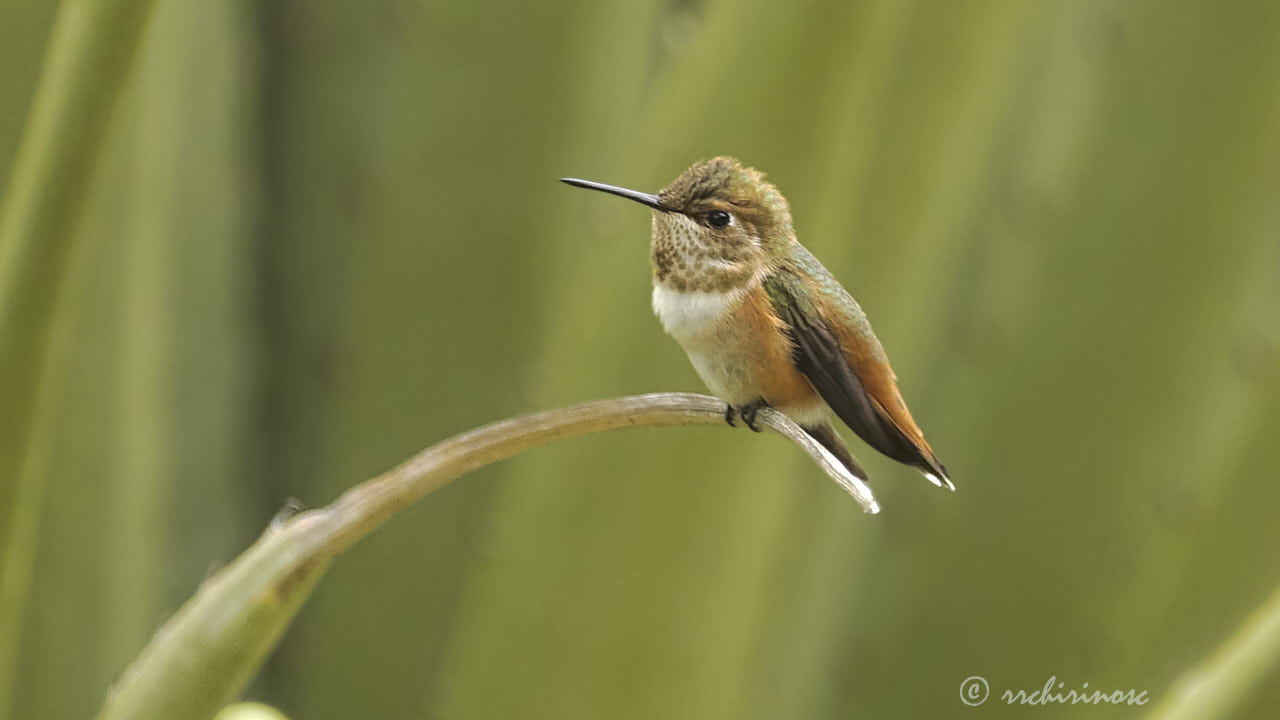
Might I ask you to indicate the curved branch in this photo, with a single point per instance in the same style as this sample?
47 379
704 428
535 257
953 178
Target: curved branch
366 506
206 653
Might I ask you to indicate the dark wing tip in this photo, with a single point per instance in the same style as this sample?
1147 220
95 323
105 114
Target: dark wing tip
820 358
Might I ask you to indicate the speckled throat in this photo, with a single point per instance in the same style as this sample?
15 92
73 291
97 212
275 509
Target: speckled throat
684 260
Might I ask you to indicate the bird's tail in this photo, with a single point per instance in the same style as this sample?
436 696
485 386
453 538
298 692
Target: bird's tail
936 473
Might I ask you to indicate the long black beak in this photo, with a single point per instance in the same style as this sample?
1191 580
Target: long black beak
652 201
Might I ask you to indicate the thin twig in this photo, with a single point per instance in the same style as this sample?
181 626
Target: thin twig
366 506
203 657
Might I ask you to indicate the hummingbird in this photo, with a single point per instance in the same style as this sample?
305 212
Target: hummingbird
763 322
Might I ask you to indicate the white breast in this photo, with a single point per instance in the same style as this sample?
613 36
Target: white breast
691 317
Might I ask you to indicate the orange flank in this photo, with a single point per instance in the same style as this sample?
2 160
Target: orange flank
773 370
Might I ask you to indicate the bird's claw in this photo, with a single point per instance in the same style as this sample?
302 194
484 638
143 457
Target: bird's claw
749 411
746 412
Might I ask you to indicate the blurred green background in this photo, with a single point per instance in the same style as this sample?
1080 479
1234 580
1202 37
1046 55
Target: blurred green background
322 235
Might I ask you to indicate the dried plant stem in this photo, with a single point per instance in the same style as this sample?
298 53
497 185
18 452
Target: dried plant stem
365 507
205 654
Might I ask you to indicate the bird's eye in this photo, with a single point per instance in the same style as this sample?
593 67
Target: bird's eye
718 218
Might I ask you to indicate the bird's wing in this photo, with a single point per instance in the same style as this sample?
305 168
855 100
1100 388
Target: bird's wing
846 365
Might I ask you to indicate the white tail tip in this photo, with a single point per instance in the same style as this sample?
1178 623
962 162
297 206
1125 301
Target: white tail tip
940 482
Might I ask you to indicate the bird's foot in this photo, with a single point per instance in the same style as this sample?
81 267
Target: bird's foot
749 411
746 412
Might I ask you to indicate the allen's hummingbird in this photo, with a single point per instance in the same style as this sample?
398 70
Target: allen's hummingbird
763 322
